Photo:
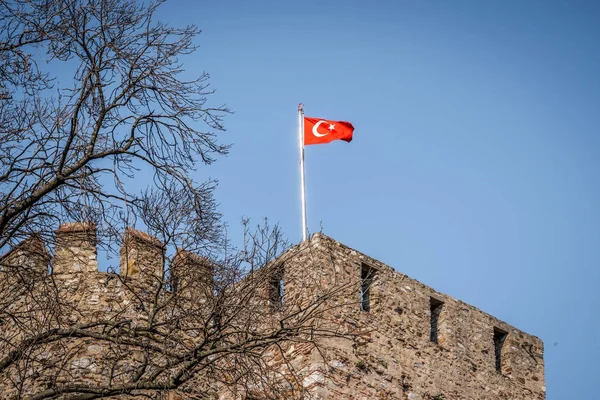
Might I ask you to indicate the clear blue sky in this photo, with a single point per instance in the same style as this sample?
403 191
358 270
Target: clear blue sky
476 159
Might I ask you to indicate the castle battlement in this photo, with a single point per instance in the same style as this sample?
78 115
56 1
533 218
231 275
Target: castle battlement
404 340
75 251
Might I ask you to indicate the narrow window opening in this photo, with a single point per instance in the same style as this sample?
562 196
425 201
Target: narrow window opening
173 283
499 338
276 289
435 306
367 276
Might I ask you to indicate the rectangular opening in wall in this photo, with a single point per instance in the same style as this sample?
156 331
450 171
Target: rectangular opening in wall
367 275
435 306
276 288
499 338
172 282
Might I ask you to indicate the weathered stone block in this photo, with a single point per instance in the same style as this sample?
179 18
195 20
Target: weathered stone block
75 248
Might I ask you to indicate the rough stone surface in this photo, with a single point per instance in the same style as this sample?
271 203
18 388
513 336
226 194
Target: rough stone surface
389 355
75 248
394 358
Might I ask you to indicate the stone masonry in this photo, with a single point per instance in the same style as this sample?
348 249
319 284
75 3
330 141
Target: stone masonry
471 356
405 340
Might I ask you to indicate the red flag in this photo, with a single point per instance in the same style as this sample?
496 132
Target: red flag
319 131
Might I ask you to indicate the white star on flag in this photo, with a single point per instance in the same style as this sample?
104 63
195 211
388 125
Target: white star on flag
331 127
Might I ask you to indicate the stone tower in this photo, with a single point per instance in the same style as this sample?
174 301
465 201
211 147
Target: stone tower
415 343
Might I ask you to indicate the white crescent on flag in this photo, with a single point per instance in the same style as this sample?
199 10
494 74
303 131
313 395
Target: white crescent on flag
314 129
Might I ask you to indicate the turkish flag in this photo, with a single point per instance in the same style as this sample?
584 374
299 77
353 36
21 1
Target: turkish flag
319 131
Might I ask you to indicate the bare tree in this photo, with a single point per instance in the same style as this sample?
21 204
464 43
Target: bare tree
70 143
217 330
117 108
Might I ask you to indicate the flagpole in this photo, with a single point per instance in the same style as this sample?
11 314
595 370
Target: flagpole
302 183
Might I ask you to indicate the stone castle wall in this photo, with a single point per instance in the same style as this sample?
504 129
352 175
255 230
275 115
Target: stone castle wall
386 318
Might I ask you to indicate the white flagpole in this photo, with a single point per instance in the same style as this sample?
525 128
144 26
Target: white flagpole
302 184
